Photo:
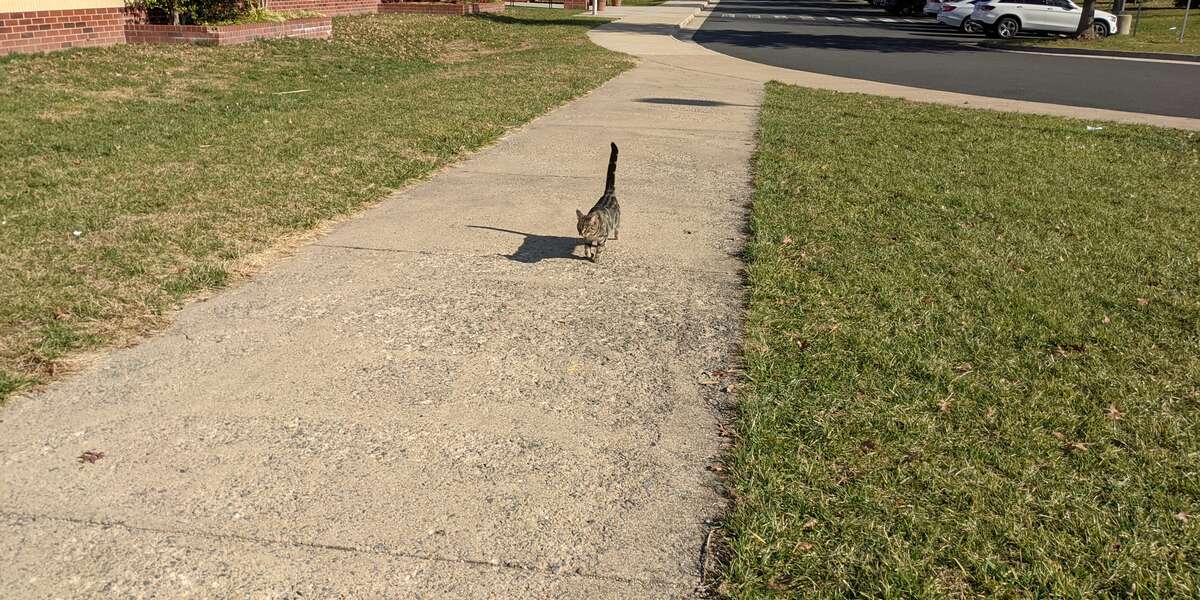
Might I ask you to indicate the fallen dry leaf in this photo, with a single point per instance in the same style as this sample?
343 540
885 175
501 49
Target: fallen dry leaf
1106 320
809 524
1182 517
1143 301
730 388
991 413
944 405
787 240
1075 447
1115 413
804 546
1058 435
90 456
709 382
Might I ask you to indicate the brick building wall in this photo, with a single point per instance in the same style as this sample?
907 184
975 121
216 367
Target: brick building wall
41 25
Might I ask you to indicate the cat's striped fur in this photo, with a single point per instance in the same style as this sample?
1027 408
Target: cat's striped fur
604 220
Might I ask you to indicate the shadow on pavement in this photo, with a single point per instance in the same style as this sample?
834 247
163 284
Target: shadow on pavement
763 39
536 248
689 102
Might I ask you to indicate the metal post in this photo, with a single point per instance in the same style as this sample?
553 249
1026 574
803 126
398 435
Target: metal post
1187 8
1137 17
595 3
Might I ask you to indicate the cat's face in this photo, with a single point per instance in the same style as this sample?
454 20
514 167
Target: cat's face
588 225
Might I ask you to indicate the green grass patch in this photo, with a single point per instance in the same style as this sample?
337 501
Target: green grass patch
176 164
1157 31
972 355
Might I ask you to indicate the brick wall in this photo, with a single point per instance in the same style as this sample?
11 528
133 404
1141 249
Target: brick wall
332 8
581 5
317 28
440 8
37 31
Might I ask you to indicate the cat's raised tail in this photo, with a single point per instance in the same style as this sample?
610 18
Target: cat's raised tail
610 182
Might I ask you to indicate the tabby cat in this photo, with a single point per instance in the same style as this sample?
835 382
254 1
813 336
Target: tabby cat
605 217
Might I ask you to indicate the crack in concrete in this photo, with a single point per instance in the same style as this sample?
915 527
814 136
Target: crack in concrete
473 562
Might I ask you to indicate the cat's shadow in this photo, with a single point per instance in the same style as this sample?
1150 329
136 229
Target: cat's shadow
536 248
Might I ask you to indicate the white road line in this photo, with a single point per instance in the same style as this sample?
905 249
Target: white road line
780 16
861 20
833 18
1128 58
886 20
754 16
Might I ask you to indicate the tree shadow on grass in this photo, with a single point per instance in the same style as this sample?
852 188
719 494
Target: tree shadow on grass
536 248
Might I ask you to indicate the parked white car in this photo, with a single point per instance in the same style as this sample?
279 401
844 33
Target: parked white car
933 7
1004 18
957 14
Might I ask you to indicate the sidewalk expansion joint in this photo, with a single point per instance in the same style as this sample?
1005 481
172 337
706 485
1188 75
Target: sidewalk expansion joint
377 550
655 128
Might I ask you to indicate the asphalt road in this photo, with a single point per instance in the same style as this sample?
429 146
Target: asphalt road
851 38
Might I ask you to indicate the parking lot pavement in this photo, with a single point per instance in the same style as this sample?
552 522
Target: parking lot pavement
850 38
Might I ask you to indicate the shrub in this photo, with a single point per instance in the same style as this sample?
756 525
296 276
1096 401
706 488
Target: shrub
184 12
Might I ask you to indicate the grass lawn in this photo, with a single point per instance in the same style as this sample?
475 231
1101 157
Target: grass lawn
1154 34
972 357
180 165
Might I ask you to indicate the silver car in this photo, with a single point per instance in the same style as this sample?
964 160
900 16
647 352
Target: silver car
933 7
1005 18
957 14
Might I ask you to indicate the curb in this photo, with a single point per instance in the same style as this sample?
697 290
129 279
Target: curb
1085 52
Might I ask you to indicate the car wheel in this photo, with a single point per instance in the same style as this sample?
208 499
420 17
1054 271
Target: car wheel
1100 28
969 26
1007 28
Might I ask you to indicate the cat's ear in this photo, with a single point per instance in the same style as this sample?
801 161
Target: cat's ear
578 214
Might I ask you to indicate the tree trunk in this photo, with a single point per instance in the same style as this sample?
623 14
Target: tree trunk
1085 31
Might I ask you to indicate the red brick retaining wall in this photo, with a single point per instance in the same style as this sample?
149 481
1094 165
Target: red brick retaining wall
441 8
223 35
332 8
581 4
37 31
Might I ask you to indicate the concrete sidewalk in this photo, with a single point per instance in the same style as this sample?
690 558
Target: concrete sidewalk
436 399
